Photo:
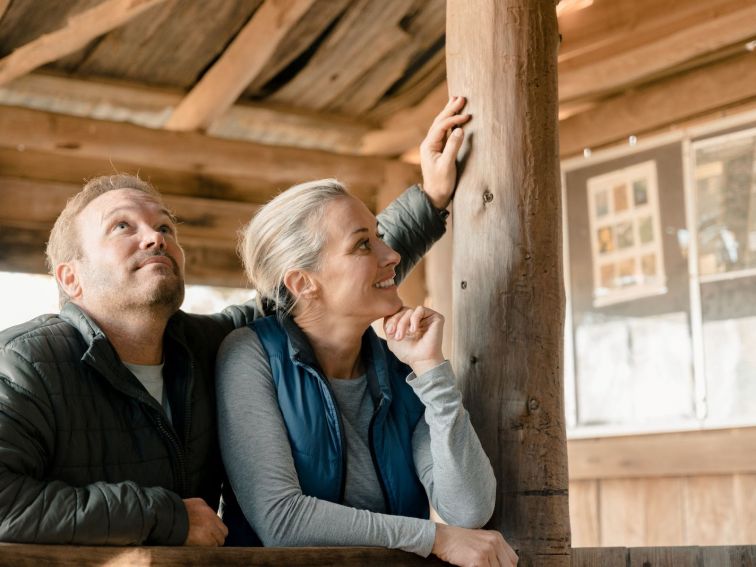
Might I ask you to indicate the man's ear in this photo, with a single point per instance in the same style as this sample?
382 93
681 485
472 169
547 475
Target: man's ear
68 279
300 284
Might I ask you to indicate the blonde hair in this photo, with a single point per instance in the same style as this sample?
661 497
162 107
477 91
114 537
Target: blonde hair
64 245
286 234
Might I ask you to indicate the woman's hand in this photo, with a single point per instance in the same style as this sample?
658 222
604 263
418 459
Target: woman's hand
414 336
465 547
438 152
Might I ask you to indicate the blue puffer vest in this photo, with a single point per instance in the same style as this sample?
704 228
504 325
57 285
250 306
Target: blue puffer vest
313 423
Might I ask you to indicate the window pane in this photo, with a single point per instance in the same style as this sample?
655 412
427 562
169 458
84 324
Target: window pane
726 197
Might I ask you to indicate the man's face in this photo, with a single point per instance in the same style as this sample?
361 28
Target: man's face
130 256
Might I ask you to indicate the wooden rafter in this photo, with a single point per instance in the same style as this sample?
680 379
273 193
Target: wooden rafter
672 100
150 107
719 29
239 65
80 30
187 153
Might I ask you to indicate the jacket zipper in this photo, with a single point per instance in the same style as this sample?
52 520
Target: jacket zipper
378 472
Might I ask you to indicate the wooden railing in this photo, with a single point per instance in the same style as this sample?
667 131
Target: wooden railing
67 556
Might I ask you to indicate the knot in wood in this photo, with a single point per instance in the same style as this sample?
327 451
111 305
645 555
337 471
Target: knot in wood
533 404
463 285
473 359
487 196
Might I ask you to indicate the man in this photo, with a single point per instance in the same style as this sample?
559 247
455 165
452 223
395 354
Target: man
107 410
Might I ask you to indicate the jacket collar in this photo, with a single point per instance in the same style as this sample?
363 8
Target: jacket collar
372 353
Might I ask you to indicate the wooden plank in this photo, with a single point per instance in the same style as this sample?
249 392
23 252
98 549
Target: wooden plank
584 513
729 556
724 451
672 100
366 33
188 152
665 557
79 31
622 510
716 29
599 557
709 507
745 504
665 511
242 61
65 556
509 312
120 101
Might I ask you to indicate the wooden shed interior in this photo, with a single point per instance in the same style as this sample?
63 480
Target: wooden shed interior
223 103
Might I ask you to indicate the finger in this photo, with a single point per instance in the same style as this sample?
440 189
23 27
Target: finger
452 145
389 323
511 555
437 132
402 325
453 106
416 318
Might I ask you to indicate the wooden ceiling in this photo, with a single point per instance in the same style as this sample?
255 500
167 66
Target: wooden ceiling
224 102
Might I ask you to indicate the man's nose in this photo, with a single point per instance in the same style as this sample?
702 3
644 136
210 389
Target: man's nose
153 238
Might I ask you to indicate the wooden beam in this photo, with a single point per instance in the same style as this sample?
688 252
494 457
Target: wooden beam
719 29
242 61
689 453
507 272
80 30
669 101
185 152
150 106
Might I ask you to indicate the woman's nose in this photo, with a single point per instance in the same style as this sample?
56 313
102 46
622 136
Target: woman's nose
390 256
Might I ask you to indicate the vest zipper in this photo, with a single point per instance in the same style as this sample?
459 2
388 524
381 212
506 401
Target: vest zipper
378 472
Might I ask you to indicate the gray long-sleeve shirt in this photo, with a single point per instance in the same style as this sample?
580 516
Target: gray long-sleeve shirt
449 460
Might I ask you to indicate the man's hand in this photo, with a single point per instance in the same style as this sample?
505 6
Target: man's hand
438 152
464 547
205 527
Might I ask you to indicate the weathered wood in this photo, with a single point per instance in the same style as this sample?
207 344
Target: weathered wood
622 519
366 33
665 557
79 31
709 510
599 557
188 152
716 28
716 451
729 556
64 556
509 298
150 106
665 511
660 104
239 65
745 504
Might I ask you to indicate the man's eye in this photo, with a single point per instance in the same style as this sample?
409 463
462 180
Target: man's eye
166 229
120 225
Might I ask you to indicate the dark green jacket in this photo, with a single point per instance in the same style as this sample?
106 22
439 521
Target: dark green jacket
87 456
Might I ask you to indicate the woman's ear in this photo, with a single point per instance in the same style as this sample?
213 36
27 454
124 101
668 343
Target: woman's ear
300 284
68 279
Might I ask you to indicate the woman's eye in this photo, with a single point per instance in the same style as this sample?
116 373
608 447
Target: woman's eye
364 245
380 235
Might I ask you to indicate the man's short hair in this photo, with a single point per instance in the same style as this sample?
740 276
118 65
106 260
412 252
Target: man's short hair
64 245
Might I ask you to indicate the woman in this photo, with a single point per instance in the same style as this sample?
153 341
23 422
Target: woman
329 435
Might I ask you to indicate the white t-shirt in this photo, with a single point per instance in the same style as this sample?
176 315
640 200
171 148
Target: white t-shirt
151 377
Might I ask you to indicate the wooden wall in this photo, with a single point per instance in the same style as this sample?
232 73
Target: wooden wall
696 488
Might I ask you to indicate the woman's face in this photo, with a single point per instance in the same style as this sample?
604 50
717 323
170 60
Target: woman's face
356 276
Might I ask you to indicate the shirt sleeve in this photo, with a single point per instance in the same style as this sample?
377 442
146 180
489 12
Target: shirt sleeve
449 458
260 467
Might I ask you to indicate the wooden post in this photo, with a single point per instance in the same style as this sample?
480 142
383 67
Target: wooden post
508 289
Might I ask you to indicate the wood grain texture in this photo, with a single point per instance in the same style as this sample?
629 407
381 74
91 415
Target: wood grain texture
187 152
710 506
665 512
623 512
665 557
241 62
598 557
78 31
584 513
745 504
509 298
688 453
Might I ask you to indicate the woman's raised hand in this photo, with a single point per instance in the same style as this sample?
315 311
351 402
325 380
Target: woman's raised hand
438 152
414 336
466 547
